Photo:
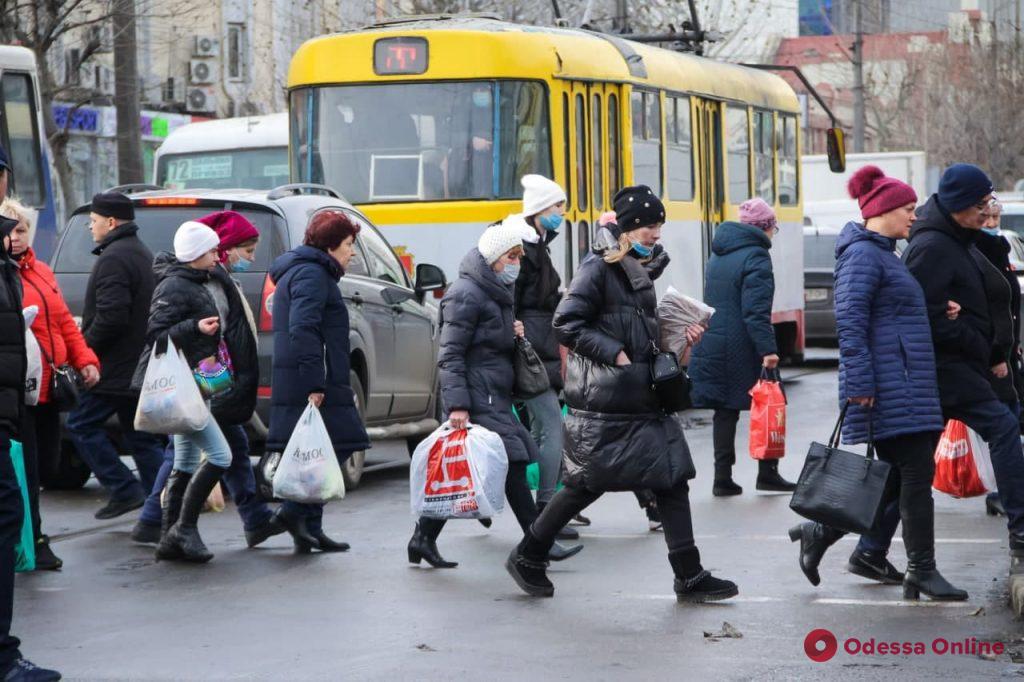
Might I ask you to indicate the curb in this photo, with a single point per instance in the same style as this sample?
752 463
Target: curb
1017 585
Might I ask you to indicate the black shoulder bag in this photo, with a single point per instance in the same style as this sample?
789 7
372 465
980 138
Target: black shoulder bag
64 380
531 375
671 383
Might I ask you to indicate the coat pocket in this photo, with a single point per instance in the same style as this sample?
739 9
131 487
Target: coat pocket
904 357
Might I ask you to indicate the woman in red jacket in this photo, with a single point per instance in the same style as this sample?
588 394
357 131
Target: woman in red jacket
60 342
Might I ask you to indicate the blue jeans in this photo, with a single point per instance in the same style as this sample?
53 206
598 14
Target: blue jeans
546 428
314 513
190 447
12 512
85 425
239 478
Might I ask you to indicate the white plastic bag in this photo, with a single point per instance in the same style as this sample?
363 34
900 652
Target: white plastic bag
34 370
982 460
676 313
309 470
170 401
458 474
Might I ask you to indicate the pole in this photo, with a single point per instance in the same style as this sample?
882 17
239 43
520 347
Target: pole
126 94
858 77
621 22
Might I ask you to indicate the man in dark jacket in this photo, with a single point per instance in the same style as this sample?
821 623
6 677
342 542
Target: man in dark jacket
114 324
970 351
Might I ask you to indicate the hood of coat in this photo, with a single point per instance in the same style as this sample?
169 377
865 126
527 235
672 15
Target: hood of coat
996 249
305 255
475 268
854 232
166 265
731 236
934 217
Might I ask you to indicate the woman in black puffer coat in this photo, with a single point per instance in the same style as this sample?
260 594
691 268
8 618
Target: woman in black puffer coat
478 331
617 436
185 310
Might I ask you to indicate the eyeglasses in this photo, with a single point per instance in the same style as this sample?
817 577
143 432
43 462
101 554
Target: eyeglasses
989 206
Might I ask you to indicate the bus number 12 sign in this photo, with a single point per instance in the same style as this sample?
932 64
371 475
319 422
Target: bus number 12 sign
393 56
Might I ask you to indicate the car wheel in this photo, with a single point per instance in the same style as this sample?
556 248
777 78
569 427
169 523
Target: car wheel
69 472
352 469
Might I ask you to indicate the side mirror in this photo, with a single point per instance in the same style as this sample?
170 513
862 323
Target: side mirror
836 150
429 278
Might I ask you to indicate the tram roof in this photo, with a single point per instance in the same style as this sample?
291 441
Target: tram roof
477 47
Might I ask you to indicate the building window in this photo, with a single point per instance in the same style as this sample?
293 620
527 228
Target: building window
737 125
168 90
678 137
72 62
764 151
236 51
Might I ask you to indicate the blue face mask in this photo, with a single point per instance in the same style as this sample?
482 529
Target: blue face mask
510 274
481 98
551 222
641 250
242 265
994 231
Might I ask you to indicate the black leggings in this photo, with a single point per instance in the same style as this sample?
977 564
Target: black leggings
910 481
40 434
517 492
673 505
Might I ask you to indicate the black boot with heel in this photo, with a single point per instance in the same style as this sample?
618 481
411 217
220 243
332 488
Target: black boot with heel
423 545
923 578
815 539
183 540
170 509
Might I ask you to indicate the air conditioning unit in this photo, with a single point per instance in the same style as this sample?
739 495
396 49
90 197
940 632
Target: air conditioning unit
201 100
206 46
200 72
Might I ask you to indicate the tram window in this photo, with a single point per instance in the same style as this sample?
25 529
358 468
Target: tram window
581 152
22 137
738 132
679 138
785 138
764 147
568 153
647 140
614 158
582 241
596 155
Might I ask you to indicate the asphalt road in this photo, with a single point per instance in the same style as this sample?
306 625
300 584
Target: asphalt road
266 614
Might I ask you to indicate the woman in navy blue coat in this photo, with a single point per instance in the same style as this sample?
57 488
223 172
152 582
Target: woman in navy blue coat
740 341
311 358
886 381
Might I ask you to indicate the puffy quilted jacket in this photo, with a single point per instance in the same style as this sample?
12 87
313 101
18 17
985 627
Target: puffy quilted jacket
616 435
475 360
537 296
885 341
740 286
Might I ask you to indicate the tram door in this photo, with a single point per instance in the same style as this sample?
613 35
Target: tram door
710 155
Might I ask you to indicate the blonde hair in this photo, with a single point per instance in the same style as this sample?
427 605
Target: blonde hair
616 255
15 210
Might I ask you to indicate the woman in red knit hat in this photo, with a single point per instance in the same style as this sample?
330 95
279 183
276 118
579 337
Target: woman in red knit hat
61 343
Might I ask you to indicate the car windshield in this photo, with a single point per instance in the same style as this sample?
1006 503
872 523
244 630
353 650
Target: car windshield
820 251
421 141
224 169
157 226
1012 221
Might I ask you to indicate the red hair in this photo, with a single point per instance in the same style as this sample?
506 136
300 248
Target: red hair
328 229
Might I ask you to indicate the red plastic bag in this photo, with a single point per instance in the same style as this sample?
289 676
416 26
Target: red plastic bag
767 420
956 469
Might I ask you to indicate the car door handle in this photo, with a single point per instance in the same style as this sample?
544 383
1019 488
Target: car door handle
357 299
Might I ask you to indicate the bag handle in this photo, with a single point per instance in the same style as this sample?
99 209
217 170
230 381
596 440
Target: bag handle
775 375
833 441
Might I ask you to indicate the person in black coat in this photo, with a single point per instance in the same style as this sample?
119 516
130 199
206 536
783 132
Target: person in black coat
114 324
478 330
618 436
971 351
311 363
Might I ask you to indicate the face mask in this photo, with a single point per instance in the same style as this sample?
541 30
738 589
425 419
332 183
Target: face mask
551 221
242 265
481 98
994 231
641 250
509 274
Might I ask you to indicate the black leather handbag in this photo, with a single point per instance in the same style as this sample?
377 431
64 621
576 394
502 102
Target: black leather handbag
531 375
838 488
670 381
65 384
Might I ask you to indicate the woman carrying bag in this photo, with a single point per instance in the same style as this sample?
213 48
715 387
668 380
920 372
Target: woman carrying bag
61 344
478 332
618 435
887 377
311 359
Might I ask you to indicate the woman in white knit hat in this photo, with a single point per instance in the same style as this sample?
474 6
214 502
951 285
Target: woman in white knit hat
187 309
478 330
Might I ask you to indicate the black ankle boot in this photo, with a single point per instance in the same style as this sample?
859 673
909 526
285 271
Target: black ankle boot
724 485
527 564
694 585
184 535
423 547
263 532
815 539
296 527
170 509
922 576
769 479
873 566
326 544
993 505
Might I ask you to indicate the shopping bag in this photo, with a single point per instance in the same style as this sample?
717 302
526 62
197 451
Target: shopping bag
768 417
25 549
309 471
677 312
956 462
34 369
170 401
458 474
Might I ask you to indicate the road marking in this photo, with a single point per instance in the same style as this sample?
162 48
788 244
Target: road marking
873 602
584 535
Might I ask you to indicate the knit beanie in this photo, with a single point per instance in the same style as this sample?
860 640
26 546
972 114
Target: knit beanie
113 205
232 228
497 240
637 206
539 194
758 213
962 186
517 222
877 193
192 240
